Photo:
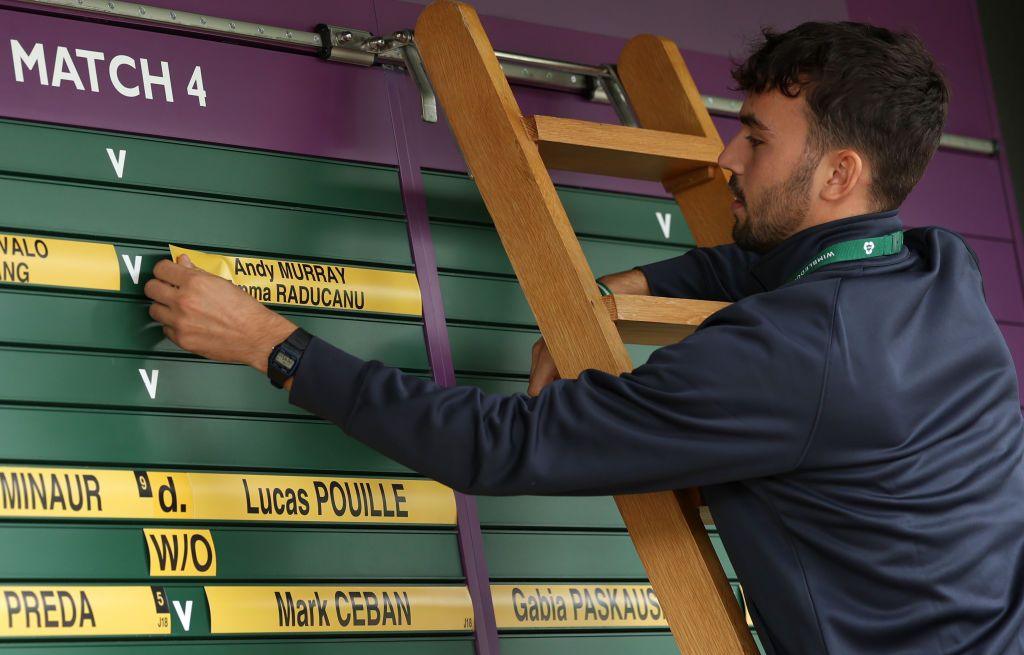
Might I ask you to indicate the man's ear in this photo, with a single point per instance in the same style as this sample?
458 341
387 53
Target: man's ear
846 171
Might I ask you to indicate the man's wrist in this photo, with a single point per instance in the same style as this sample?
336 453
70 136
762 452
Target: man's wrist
276 331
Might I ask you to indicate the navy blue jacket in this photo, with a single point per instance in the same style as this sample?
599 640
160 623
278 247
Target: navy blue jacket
857 434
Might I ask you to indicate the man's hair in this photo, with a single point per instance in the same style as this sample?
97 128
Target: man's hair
869 89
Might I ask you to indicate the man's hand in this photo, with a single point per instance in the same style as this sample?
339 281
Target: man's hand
542 366
210 316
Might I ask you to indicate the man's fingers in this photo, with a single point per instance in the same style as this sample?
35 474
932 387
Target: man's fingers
170 272
171 334
161 313
160 291
542 372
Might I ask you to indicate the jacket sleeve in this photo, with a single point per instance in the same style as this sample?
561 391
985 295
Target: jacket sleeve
717 273
736 400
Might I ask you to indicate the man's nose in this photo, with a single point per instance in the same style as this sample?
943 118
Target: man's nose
729 158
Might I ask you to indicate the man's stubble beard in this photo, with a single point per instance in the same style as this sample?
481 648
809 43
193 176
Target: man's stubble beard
776 213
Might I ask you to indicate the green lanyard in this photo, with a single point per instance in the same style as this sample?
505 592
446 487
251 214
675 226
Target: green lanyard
845 251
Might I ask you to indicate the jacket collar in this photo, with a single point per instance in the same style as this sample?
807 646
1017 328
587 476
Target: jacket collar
775 267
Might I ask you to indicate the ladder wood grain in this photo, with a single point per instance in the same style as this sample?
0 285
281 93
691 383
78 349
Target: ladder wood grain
559 286
655 321
630 152
665 97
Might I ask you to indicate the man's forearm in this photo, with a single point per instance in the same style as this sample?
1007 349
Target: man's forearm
631 282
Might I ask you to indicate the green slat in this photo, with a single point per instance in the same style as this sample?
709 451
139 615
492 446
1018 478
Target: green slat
42 206
522 555
516 556
164 164
657 643
505 351
298 646
62 319
595 213
484 300
471 248
118 553
548 512
153 440
38 376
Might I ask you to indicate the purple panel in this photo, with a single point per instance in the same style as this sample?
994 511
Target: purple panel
963 192
998 261
711 73
947 30
302 16
715 27
255 97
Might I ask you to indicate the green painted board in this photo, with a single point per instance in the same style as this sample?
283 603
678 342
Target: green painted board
592 213
72 153
31 551
66 378
86 321
477 249
506 351
549 512
562 555
298 646
478 299
38 206
649 643
155 439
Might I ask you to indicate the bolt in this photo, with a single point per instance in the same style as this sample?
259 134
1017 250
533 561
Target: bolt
572 78
202 20
231 25
174 16
288 33
110 4
259 29
345 37
547 76
142 11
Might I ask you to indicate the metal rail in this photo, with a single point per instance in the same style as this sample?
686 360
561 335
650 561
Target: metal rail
358 47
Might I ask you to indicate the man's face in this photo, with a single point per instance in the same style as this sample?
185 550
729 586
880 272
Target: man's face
772 170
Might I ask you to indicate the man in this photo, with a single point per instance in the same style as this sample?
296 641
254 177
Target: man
853 417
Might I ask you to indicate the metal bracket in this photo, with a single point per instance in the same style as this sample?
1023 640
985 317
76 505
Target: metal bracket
613 89
414 65
399 52
345 44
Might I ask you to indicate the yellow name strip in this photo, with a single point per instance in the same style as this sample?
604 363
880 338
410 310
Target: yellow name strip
40 492
576 606
314 609
59 611
58 262
180 553
307 284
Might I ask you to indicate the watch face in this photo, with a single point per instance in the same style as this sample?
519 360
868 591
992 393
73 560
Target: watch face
284 360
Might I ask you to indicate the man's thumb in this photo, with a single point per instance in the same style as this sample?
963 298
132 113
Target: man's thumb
185 261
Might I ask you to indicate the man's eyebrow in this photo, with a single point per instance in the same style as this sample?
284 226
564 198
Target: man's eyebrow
750 120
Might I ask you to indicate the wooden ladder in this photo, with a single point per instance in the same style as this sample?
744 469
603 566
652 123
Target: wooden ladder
509 155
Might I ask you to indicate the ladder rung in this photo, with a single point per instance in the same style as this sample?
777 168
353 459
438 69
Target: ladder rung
617 150
657 321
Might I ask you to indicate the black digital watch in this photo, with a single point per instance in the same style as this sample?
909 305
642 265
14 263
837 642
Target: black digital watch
285 357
